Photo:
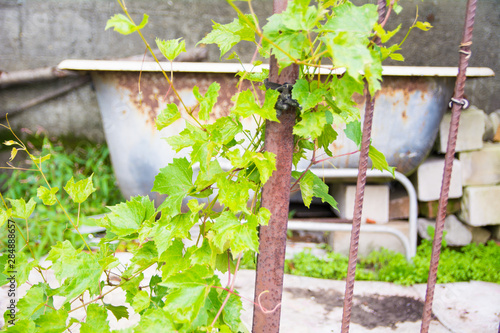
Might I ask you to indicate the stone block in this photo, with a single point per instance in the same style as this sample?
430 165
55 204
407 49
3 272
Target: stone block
368 242
430 209
480 205
492 126
481 167
457 234
429 176
495 232
399 208
470 130
479 235
375 203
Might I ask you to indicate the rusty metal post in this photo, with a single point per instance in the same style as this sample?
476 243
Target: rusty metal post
276 198
458 103
360 193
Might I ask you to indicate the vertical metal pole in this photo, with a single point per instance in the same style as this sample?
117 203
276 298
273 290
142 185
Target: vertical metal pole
276 198
448 164
358 203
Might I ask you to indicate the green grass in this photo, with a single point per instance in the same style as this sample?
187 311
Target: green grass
48 224
472 262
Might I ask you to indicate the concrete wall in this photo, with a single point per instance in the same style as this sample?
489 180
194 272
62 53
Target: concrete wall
38 33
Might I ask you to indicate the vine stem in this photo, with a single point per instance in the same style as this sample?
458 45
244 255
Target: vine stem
124 8
231 288
109 291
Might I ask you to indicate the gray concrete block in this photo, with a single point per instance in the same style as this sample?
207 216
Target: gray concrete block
481 167
375 204
457 234
479 235
480 205
429 176
470 130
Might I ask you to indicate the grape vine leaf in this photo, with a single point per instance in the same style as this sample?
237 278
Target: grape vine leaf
119 312
140 301
311 125
126 218
224 130
21 209
96 321
47 196
228 35
167 116
353 132
208 101
175 180
52 321
312 186
246 105
4 215
80 191
122 24
229 232
167 229
31 302
24 267
234 194
379 161
171 48
155 320
187 138
22 326
307 99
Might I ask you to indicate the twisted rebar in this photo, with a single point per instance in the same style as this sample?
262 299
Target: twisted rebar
448 164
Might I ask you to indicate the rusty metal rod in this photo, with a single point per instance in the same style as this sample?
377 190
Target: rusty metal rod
465 48
360 193
276 198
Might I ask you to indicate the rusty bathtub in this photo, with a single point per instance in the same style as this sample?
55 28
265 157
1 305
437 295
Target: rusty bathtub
408 111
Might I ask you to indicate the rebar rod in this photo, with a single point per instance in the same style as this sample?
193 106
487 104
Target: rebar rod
457 99
360 193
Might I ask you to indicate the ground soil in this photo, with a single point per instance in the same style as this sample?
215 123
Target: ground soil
368 311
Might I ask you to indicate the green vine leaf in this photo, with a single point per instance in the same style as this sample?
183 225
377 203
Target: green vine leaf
22 326
311 125
308 98
234 194
155 320
175 180
96 321
4 216
312 186
47 196
119 312
167 116
171 48
52 321
228 35
126 218
246 106
80 191
21 209
122 24
32 302
353 132
141 301
379 162
208 101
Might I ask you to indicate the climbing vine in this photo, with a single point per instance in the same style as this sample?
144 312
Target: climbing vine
333 43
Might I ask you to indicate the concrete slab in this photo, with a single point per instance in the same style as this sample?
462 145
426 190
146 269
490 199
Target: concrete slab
315 305
466 306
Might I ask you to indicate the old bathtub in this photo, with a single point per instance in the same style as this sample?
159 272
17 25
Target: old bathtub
408 111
